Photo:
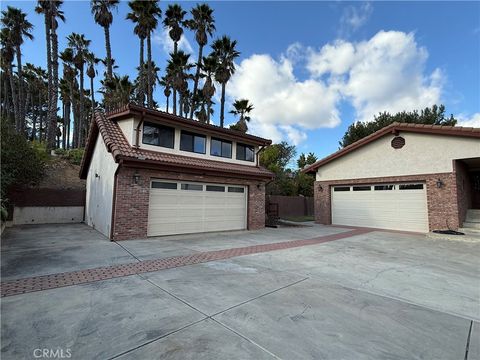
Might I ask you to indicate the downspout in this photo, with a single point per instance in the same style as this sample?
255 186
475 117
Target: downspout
137 134
258 154
112 221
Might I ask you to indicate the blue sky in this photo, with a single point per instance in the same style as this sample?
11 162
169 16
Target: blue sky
313 68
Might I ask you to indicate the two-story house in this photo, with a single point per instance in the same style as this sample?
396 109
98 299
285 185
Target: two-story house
150 173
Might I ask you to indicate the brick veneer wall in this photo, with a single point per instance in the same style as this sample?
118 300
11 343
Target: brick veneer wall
131 202
442 203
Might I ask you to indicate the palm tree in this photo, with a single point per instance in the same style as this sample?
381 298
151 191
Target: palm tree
166 82
178 67
243 108
51 11
145 15
225 52
79 45
121 91
19 28
208 90
101 10
173 22
91 61
203 24
69 76
7 57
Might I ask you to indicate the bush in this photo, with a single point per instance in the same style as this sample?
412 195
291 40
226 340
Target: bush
75 155
61 152
40 147
23 163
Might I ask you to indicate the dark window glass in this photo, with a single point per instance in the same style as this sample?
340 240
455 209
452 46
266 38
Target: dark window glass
221 148
341 188
164 185
384 187
158 135
245 152
236 189
215 188
195 187
361 188
192 142
411 187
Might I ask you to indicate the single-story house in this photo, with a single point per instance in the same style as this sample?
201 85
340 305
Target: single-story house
407 177
151 173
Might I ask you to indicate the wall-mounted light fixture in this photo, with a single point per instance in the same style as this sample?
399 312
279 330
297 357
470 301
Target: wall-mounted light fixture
320 187
440 183
136 177
96 175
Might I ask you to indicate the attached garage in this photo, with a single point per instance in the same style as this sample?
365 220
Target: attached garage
180 207
383 206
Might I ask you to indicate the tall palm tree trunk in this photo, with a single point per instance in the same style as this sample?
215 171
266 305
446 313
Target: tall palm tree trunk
20 124
14 92
209 109
109 52
141 90
93 95
168 98
80 118
197 78
52 123
49 67
67 124
149 72
35 111
222 105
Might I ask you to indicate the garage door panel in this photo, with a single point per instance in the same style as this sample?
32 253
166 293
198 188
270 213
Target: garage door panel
388 209
179 211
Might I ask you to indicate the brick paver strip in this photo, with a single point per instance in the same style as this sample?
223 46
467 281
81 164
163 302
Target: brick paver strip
53 281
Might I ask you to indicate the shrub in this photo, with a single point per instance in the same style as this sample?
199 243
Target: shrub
23 163
61 152
75 155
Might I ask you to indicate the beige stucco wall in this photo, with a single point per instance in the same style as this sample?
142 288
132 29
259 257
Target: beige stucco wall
129 127
98 206
47 214
422 154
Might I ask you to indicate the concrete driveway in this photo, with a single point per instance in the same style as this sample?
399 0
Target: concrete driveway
345 295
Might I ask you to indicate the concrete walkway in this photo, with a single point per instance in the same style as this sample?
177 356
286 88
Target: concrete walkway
374 295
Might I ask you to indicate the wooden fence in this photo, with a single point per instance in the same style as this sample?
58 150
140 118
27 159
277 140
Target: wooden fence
290 206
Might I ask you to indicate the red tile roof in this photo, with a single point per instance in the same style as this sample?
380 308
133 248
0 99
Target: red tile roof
394 129
121 150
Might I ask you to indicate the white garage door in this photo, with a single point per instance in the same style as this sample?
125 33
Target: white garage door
190 207
386 206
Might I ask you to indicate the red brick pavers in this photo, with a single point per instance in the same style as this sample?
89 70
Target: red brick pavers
39 283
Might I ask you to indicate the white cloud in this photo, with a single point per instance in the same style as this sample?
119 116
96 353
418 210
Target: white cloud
353 18
384 73
282 100
469 121
163 39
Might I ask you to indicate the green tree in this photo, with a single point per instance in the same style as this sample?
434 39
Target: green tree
430 116
305 160
19 28
224 50
203 24
208 90
276 158
241 107
102 13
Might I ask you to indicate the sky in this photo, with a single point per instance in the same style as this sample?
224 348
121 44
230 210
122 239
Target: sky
313 68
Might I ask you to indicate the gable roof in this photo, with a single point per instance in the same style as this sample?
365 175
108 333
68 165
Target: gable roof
132 110
395 128
117 144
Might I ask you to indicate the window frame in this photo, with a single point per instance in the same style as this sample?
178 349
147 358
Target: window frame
222 141
245 146
165 185
215 188
158 126
193 135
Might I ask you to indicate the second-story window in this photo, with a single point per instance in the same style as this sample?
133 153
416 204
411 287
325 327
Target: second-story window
159 135
221 148
193 142
245 152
